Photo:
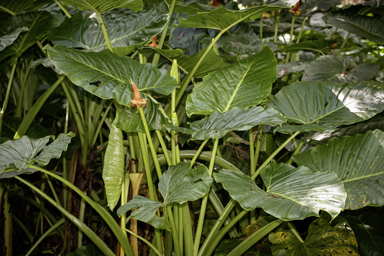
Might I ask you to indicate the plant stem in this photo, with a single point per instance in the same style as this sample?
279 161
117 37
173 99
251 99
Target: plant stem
63 8
258 145
297 150
269 159
156 57
251 151
145 241
102 25
164 147
204 201
301 30
173 231
277 21
6 99
24 79
342 46
294 231
198 152
254 238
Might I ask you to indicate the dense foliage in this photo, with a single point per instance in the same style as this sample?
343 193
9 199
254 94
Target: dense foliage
168 127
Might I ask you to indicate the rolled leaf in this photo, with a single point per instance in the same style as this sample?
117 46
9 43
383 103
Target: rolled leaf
324 106
324 238
20 154
125 28
217 125
291 193
113 166
180 183
242 84
357 161
107 75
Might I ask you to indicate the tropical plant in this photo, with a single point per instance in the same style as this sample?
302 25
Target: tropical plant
191 127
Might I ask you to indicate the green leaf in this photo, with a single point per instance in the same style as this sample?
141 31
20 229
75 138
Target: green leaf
192 8
125 28
222 18
291 193
86 250
38 25
13 7
219 124
113 166
130 121
334 69
9 38
364 26
357 161
368 229
324 238
146 212
321 5
210 63
240 43
322 106
20 154
242 84
105 5
180 183
313 45
107 75
291 67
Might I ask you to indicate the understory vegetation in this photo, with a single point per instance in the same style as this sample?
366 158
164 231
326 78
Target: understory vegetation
169 127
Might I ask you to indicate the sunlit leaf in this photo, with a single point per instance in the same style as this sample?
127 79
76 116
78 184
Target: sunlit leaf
357 161
242 84
125 28
322 106
20 154
324 238
105 5
107 75
217 125
291 193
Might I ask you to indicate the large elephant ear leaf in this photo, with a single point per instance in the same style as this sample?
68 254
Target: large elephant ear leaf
113 169
217 125
146 212
180 183
105 5
291 193
242 84
357 161
16 155
107 75
322 106
324 238
125 28
364 26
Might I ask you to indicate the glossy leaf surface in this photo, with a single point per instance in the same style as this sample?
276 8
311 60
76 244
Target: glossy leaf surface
113 166
357 161
107 75
222 18
324 238
242 84
20 154
291 193
180 183
146 212
125 28
38 25
9 38
217 125
368 27
333 69
105 5
324 106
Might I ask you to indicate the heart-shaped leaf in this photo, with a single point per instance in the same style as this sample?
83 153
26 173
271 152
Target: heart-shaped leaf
324 106
107 75
357 161
334 69
105 5
38 25
180 183
324 238
125 28
146 212
242 84
368 27
291 193
113 168
20 154
217 125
